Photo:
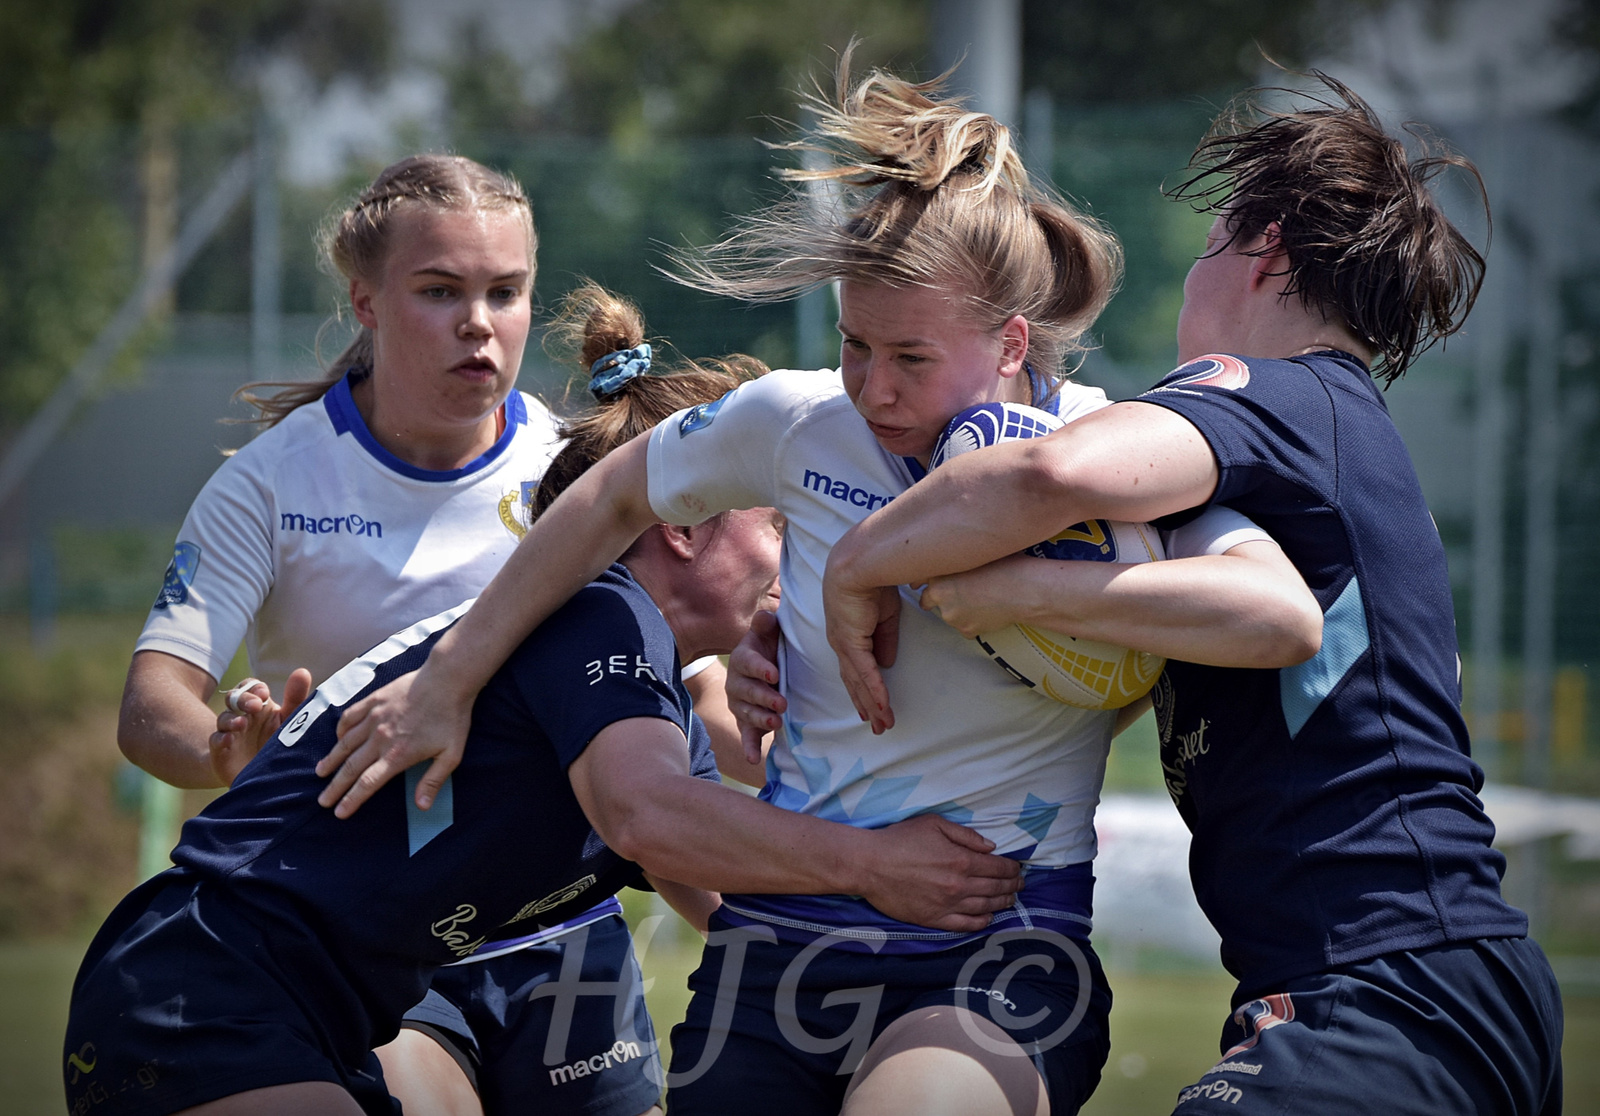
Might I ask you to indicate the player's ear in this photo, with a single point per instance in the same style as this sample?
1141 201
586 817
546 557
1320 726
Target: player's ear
1269 259
682 541
361 303
1013 345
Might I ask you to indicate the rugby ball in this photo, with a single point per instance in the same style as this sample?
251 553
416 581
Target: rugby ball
1086 673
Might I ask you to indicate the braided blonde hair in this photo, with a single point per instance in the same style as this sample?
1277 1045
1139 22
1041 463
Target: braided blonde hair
933 194
354 242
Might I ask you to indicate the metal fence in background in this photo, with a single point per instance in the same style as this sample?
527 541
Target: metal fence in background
1500 421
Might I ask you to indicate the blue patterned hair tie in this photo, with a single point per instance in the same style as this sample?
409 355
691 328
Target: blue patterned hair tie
610 372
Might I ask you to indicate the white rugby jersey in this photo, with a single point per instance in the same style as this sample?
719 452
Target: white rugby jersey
969 743
313 543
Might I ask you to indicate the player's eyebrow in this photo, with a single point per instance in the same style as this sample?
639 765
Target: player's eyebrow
910 343
446 273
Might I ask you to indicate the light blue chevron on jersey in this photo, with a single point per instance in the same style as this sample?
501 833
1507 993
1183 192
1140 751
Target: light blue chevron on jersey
1344 639
831 807
423 826
1037 816
953 811
880 803
885 796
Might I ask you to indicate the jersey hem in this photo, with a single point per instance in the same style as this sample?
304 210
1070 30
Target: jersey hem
489 950
191 653
1357 954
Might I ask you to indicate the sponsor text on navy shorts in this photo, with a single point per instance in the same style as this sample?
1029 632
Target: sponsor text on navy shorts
1464 1028
182 999
558 1027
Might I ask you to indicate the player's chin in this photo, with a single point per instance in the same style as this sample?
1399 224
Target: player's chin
904 441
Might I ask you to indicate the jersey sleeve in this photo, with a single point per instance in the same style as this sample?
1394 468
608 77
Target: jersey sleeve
1216 530
718 456
1265 421
702 760
542 424
591 665
221 572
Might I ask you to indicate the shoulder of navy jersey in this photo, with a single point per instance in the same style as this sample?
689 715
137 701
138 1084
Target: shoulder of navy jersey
604 656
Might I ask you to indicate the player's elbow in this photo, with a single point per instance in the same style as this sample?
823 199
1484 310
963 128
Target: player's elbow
635 829
1046 475
1295 635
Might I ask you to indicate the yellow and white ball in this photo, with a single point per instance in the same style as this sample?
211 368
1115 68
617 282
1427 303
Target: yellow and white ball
1086 673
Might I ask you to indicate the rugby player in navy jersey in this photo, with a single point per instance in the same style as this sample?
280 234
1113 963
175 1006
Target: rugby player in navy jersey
1339 846
257 975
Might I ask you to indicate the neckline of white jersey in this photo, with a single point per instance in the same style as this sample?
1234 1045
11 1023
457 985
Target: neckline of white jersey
346 418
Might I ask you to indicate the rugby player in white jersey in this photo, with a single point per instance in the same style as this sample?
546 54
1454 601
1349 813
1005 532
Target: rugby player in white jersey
387 491
962 282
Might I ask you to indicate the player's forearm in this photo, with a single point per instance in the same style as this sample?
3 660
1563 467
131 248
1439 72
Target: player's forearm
164 725
713 837
693 904
959 517
1131 461
163 744
587 528
1223 610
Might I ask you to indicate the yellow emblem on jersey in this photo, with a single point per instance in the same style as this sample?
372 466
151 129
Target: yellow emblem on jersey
513 508
508 515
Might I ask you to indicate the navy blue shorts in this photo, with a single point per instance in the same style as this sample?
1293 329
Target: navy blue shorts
780 1027
558 1027
181 1000
1472 1027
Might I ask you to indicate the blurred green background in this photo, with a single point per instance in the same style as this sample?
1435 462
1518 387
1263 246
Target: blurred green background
635 125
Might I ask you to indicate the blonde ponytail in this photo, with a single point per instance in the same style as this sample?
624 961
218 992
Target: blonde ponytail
934 195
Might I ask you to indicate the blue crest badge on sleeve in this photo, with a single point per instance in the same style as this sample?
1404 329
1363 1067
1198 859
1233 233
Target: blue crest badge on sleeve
700 416
180 575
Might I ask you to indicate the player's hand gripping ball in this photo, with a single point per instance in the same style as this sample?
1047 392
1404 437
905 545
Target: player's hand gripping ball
1082 672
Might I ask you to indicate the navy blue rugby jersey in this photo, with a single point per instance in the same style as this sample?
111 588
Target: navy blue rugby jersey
395 892
1333 804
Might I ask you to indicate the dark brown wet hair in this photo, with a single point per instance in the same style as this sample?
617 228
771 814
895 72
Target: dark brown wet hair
1366 240
592 324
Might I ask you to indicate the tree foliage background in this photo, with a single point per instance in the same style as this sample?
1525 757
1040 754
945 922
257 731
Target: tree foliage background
90 88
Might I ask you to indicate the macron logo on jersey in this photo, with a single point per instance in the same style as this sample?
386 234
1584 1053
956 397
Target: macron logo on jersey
330 525
842 491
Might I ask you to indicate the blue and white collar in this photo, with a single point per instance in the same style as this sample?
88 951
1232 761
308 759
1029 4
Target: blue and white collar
346 419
